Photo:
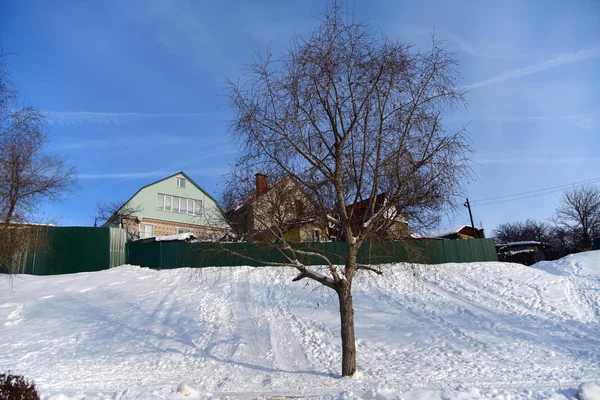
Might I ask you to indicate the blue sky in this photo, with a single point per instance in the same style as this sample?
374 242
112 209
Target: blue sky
135 89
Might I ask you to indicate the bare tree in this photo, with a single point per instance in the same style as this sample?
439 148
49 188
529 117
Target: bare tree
579 212
120 214
29 174
351 114
523 231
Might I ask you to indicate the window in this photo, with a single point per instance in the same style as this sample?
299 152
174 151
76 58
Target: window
176 204
183 230
183 206
180 182
180 205
146 231
316 237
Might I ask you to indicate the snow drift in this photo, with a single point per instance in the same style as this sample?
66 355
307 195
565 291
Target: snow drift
477 330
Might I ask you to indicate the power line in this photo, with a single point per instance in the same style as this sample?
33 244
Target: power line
517 198
529 194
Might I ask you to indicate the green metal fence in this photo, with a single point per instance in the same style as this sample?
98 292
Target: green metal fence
167 255
68 250
84 249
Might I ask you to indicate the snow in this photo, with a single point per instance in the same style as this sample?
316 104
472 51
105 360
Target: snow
582 264
514 253
522 243
438 233
176 237
589 391
459 331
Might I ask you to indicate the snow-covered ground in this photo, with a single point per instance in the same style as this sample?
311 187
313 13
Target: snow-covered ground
459 331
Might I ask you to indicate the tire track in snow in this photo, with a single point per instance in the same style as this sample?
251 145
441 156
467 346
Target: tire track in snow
286 331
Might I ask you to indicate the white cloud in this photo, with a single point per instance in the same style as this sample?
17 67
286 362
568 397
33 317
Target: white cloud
583 121
212 172
76 118
563 59
480 48
523 160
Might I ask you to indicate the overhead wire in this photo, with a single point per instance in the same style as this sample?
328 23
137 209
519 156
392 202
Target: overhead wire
529 194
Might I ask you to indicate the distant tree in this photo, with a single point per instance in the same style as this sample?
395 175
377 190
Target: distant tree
579 212
350 114
523 231
29 174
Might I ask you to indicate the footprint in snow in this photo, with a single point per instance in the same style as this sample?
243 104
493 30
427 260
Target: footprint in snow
14 317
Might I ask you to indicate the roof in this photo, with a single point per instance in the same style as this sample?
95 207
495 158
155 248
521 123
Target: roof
254 196
169 177
522 243
438 233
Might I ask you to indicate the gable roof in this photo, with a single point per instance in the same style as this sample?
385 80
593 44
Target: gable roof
169 177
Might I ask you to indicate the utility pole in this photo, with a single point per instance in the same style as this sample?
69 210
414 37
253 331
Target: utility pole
468 205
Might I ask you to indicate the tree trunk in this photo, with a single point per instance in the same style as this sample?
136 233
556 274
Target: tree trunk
347 329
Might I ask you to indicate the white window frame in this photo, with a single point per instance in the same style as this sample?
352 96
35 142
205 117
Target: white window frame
180 182
180 205
144 233
175 204
170 198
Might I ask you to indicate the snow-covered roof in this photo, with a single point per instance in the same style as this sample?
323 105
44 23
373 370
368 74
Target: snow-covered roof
438 233
515 252
522 243
30 224
181 237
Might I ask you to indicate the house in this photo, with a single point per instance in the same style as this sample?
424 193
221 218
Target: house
169 206
392 227
454 232
282 209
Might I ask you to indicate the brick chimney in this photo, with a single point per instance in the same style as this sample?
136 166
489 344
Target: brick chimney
262 184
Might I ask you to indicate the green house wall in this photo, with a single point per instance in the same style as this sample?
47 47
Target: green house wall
146 199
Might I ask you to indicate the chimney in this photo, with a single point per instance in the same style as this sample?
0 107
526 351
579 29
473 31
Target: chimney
262 184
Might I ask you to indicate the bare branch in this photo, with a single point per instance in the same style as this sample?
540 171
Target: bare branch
371 269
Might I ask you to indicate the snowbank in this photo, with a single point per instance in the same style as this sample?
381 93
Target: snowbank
580 264
461 331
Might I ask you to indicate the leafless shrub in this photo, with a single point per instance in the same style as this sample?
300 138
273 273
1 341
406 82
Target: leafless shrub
16 387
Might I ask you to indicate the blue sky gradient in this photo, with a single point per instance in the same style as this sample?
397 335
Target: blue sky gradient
135 90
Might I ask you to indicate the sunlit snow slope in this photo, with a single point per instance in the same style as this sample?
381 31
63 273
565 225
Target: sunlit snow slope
457 331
